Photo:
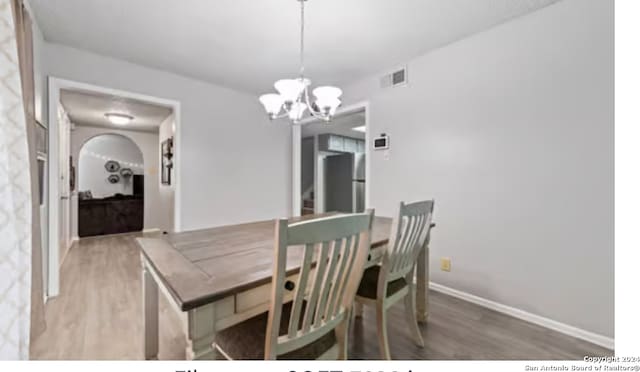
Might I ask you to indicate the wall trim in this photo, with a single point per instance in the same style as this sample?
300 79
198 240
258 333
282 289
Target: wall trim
151 230
564 328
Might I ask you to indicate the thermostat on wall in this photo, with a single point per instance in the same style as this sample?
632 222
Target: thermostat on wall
381 143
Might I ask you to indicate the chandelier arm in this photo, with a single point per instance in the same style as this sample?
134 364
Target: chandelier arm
280 116
315 113
308 101
285 109
319 115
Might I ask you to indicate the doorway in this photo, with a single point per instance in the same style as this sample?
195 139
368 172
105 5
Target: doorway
332 163
110 184
80 114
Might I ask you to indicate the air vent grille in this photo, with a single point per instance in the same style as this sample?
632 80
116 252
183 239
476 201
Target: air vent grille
395 78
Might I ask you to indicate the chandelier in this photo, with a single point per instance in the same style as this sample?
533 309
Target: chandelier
292 99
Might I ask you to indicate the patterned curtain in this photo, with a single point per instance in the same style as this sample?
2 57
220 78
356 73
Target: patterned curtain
24 37
19 237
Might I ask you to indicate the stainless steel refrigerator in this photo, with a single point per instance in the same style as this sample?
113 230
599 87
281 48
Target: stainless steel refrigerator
344 177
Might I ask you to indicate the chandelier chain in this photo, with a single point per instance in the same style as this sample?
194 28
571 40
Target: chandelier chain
302 38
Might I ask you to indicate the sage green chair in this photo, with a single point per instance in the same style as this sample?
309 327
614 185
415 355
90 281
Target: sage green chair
309 314
393 280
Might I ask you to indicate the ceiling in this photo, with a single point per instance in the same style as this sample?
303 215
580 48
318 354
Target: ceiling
338 125
248 44
88 108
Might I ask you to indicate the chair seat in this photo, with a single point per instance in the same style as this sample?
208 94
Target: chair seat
369 284
246 340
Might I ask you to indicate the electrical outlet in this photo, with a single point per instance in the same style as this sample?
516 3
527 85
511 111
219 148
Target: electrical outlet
445 264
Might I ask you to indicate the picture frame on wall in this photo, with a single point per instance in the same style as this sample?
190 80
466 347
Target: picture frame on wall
166 156
72 175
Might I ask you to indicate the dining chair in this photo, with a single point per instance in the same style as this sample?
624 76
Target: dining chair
387 283
309 313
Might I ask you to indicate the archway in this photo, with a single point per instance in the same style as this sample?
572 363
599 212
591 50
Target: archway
110 186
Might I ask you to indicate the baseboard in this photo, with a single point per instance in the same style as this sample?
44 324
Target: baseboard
155 229
582 334
72 242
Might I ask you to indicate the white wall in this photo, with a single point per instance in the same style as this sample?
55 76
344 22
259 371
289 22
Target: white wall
148 144
236 166
167 192
91 172
511 131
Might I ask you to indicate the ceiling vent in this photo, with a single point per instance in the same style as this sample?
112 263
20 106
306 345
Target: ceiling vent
394 79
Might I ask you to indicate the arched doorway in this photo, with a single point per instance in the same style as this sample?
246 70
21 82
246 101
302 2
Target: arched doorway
110 186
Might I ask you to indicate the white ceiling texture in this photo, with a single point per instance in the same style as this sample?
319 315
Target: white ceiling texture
88 108
248 44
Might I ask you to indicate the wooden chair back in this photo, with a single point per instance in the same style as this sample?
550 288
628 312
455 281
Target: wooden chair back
409 233
335 252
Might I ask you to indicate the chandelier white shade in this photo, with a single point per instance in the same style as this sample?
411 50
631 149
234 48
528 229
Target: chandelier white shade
292 99
296 112
291 89
272 103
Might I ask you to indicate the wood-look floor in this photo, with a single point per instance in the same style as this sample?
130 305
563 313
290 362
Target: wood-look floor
98 316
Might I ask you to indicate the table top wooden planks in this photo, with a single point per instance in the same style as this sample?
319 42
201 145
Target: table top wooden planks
202 266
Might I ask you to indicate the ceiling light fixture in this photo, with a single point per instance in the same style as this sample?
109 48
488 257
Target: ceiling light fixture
118 119
362 128
292 99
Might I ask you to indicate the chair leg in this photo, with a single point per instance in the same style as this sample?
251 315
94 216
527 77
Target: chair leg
342 334
383 342
410 312
359 309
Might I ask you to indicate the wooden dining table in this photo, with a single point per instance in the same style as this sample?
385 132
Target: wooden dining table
215 278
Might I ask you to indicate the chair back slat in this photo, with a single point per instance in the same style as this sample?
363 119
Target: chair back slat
327 282
300 290
413 245
349 258
333 300
333 257
321 265
406 226
408 236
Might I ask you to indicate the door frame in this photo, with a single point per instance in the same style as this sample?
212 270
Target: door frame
296 152
55 85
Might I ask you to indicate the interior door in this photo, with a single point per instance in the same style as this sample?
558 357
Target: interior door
64 221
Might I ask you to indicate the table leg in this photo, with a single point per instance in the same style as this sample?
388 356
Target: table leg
150 314
201 333
422 285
